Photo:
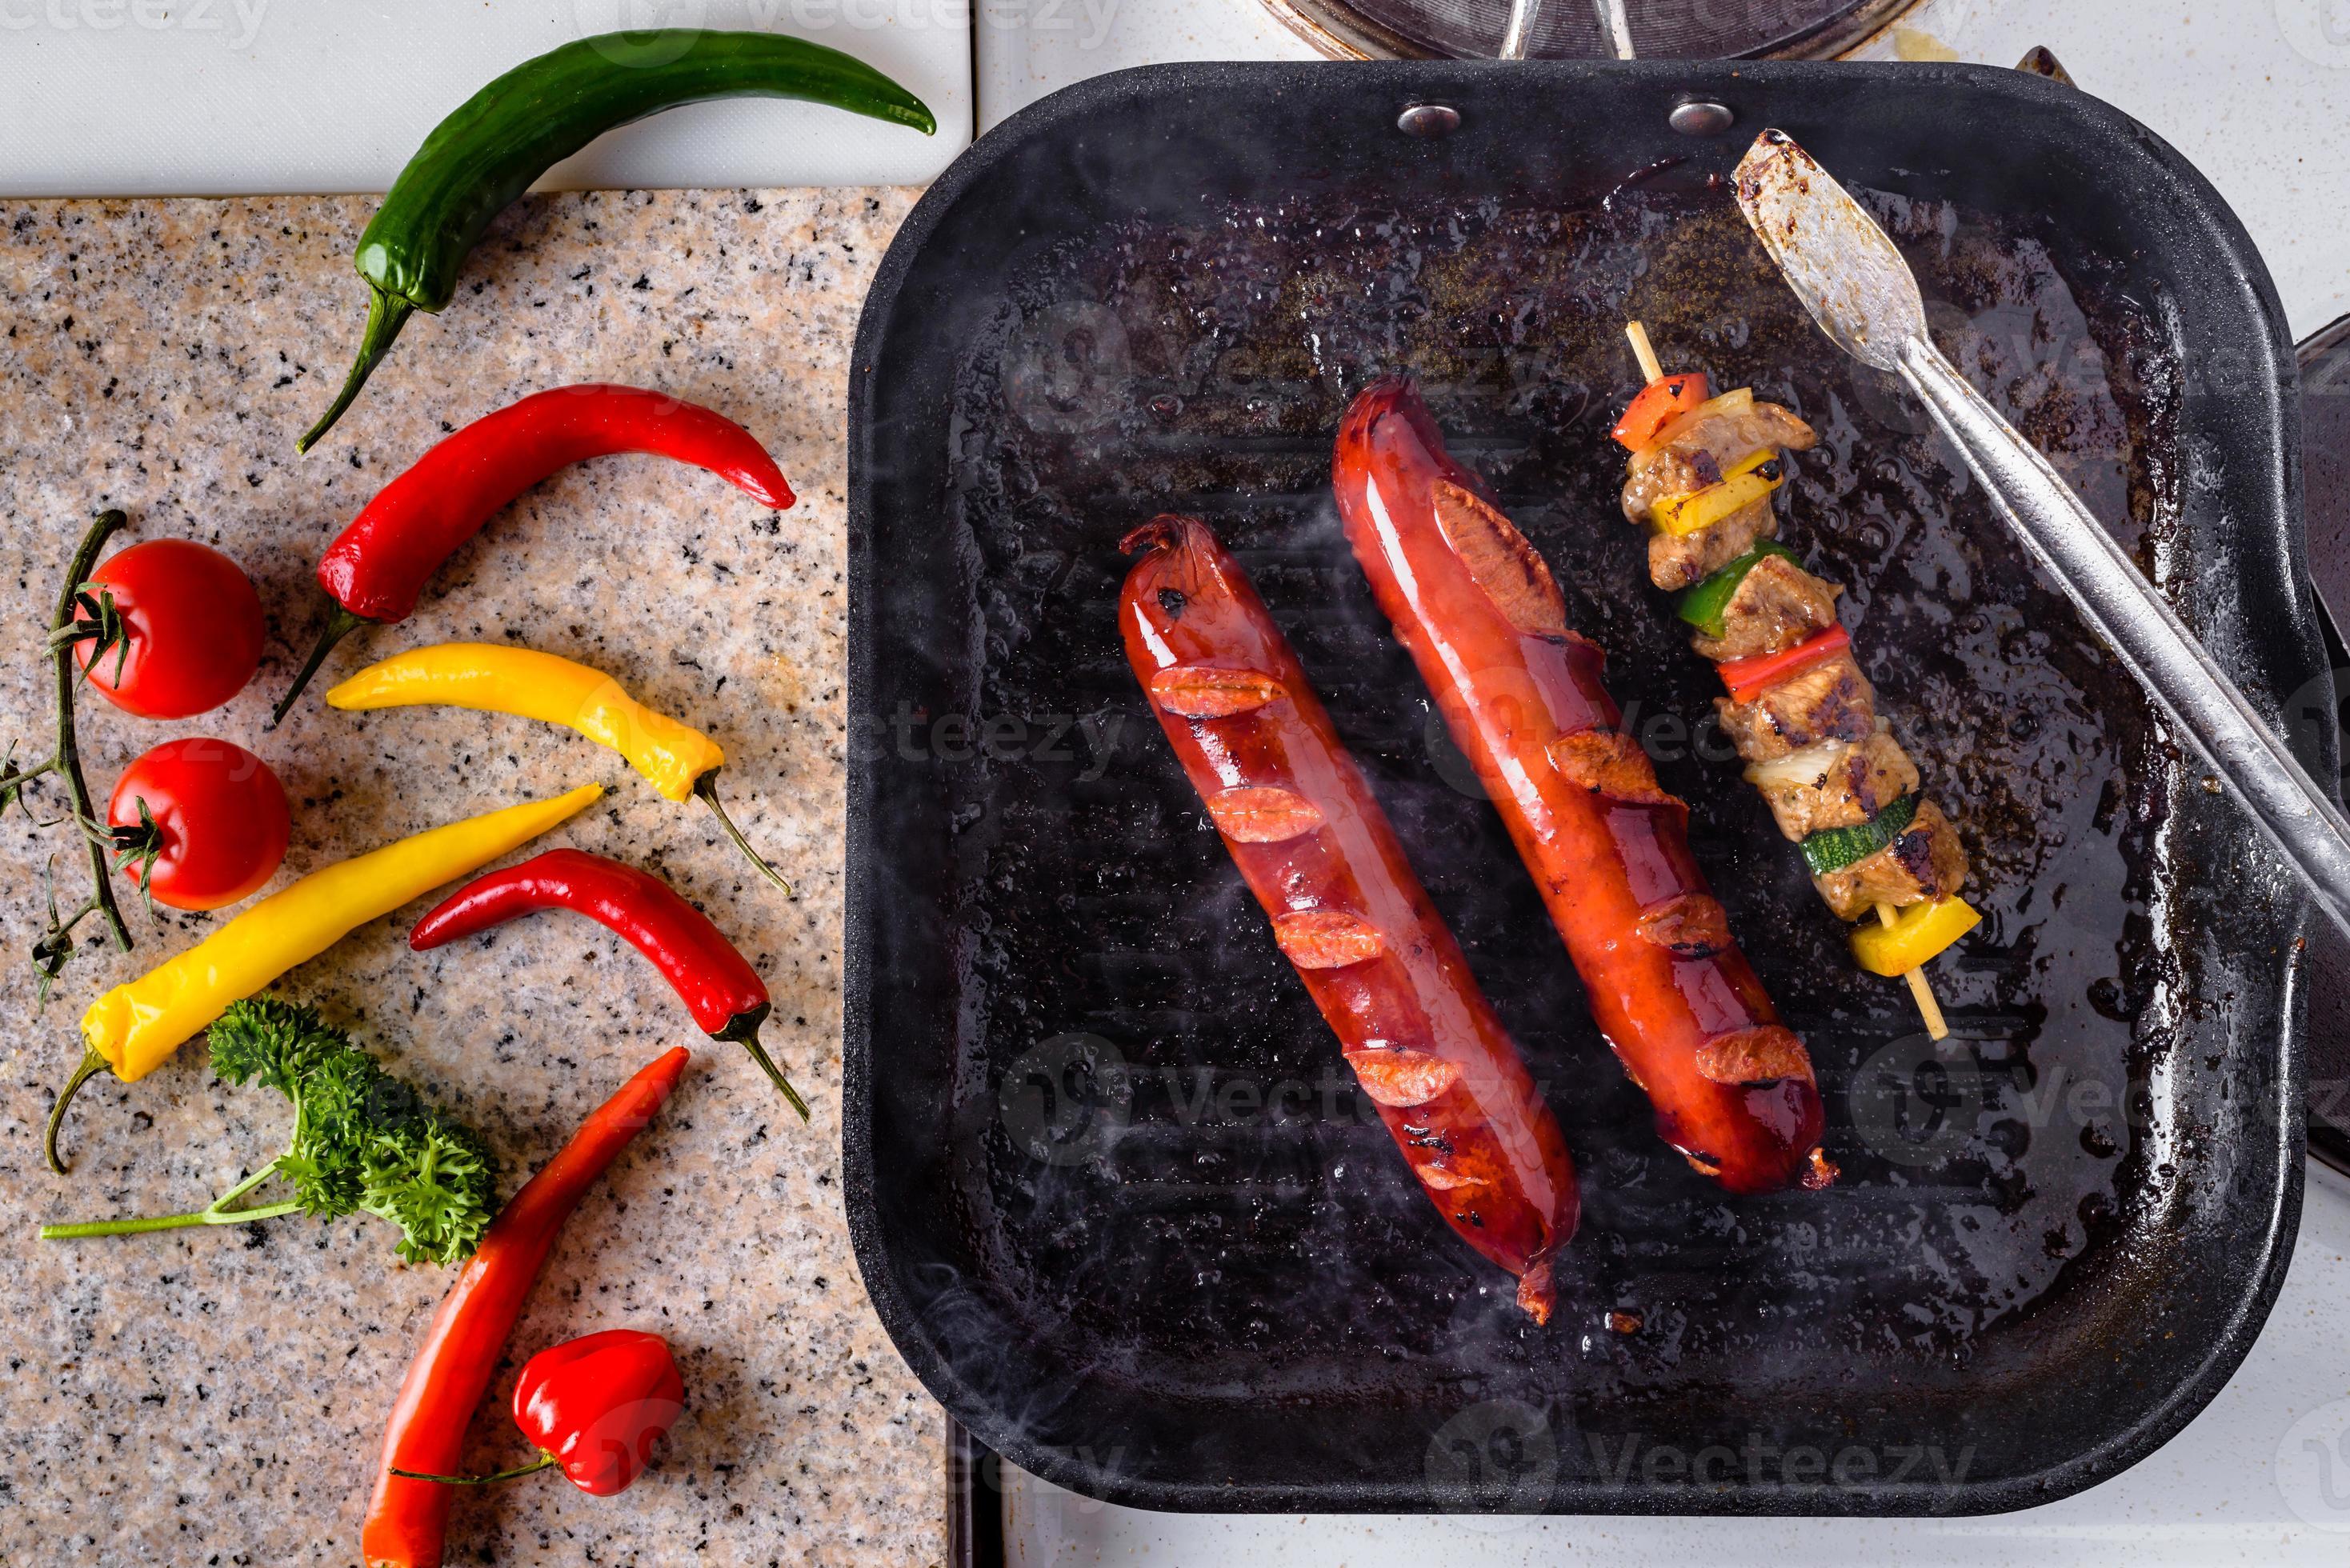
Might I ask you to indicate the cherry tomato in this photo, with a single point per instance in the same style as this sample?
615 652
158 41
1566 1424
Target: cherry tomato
192 630
220 823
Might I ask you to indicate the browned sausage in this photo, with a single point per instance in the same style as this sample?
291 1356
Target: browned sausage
1608 848
1312 844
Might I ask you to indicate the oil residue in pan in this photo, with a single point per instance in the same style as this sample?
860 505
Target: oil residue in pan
1235 1212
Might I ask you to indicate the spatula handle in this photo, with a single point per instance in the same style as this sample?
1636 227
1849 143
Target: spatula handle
2123 605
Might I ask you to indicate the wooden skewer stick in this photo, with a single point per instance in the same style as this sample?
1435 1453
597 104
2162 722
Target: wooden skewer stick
1922 990
1651 368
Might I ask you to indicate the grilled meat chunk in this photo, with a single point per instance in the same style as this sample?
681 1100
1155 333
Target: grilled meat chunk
1926 861
1776 604
1677 560
1693 457
1697 455
1835 784
1829 700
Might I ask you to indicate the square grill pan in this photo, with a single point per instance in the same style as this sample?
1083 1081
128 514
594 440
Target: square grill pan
1109 1190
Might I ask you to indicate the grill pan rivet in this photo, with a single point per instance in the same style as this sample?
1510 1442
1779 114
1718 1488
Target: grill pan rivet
1428 120
1700 118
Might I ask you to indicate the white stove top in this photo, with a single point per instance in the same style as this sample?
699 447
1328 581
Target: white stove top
213 98
2254 93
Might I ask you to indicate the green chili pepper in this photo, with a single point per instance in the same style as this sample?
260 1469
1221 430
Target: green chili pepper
1834 848
505 136
1701 606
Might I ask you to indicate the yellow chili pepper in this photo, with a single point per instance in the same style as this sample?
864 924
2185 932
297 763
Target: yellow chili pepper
1915 935
133 1028
491 678
1754 476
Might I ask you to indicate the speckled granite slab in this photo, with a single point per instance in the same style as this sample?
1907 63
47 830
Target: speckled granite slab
218 1395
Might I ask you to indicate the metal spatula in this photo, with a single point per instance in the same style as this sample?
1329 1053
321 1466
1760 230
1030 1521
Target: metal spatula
1850 276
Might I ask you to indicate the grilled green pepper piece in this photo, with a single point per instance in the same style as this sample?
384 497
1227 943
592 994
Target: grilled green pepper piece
506 135
1834 848
1702 605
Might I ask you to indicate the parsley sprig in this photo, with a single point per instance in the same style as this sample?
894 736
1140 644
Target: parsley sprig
363 1141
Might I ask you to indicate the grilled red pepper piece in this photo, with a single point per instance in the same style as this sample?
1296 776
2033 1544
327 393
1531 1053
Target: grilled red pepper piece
1747 679
377 566
596 1406
715 981
1661 402
408 1519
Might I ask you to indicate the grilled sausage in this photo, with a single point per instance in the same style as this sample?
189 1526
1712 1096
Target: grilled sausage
1312 844
1608 848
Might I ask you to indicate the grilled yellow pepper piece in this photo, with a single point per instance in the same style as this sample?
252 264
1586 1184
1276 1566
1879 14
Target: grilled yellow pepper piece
1752 477
133 1028
1915 935
491 677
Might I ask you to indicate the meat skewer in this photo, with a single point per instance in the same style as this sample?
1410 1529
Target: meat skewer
1701 475
1607 847
1348 913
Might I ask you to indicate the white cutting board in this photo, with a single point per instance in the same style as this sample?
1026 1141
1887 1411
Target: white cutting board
114 97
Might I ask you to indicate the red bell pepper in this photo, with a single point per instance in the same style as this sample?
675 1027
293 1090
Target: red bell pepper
408 1519
714 979
1747 678
596 1406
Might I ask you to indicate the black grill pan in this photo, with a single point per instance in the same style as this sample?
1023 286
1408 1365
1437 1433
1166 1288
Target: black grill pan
1109 1192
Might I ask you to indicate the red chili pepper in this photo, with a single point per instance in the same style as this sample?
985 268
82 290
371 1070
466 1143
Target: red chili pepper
406 1519
596 1406
377 566
1746 678
716 983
